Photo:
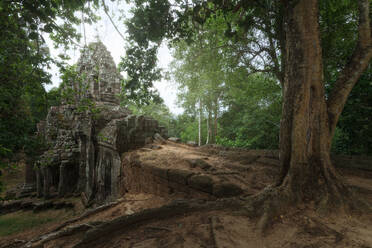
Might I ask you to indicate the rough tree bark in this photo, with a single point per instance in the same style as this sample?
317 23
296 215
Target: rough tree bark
308 121
304 132
308 118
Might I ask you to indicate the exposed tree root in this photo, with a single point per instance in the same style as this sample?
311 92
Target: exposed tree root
70 230
274 201
267 204
212 221
176 208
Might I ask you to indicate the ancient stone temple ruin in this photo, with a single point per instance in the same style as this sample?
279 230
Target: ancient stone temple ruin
101 79
84 147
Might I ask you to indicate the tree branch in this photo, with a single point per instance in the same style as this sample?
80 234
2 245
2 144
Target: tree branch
67 36
353 69
112 22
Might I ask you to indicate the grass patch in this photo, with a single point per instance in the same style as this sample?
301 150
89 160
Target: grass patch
25 220
16 224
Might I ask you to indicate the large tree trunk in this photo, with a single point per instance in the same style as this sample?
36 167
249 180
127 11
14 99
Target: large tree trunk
307 172
309 119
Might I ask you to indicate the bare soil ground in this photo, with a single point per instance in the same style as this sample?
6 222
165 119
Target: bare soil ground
299 227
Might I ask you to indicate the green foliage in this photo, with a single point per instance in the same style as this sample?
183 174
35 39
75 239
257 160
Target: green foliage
158 111
140 65
187 128
74 90
250 38
145 33
247 105
72 86
24 58
190 133
54 96
252 118
339 33
4 153
340 141
201 71
149 22
354 132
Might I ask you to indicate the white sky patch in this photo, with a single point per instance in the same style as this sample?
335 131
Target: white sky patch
115 44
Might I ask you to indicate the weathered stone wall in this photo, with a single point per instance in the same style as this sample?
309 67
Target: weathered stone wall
84 150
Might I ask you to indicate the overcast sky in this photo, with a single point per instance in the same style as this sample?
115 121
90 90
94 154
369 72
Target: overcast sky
115 44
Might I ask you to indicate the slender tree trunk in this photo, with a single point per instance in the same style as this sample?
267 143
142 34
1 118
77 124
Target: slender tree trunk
209 130
215 116
307 171
200 123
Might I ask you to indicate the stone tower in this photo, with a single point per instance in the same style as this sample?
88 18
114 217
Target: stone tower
100 75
